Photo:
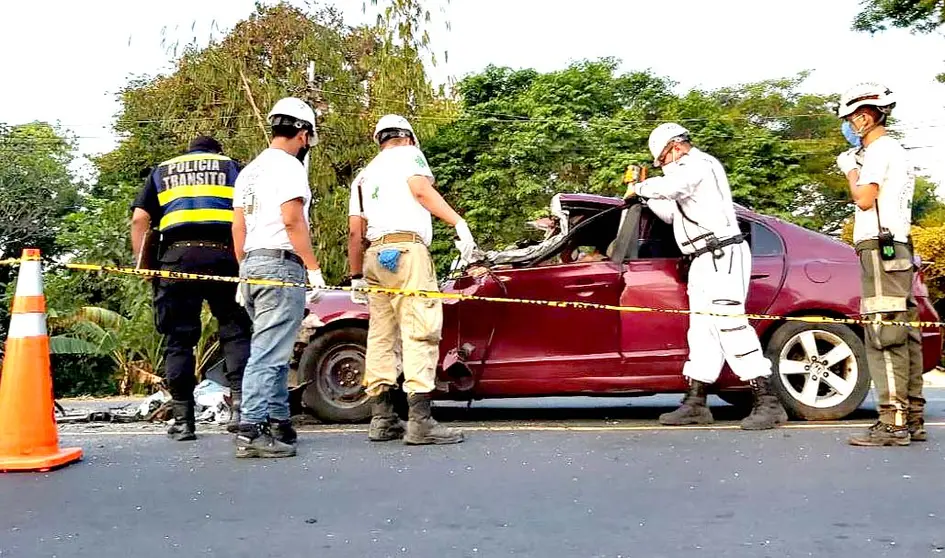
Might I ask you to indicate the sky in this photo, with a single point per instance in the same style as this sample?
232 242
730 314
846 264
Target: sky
68 69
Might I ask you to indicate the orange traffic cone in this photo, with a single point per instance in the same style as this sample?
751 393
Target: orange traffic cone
29 440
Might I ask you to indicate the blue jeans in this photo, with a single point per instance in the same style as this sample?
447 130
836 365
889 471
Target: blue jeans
276 313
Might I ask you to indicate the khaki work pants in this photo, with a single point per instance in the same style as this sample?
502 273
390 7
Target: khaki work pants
893 353
417 321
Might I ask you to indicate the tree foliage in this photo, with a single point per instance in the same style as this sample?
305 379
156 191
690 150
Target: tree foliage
521 136
36 192
920 16
351 75
36 187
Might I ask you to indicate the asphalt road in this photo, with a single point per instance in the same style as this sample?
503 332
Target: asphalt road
552 478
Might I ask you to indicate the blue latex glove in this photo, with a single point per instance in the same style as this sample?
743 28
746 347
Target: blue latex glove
389 259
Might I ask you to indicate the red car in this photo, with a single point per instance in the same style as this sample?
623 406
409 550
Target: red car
596 250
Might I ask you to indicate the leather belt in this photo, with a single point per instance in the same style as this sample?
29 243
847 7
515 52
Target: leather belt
397 237
277 253
199 244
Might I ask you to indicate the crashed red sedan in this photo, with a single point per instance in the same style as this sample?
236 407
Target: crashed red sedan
596 250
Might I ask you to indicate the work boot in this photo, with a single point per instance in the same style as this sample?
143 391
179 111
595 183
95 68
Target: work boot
422 429
916 427
256 440
183 429
282 430
236 401
767 411
882 434
693 409
385 424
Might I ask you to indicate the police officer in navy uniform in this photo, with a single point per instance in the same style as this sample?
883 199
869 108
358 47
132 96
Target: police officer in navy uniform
188 201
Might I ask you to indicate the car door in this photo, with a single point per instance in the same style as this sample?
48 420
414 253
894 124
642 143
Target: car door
542 348
654 345
767 264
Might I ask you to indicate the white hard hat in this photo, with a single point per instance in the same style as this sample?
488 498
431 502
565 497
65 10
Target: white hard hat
394 122
291 111
662 135
866 94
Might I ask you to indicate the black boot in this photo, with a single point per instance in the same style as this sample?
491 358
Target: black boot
916 426
256 440
236 401
882 434
385 424
282 430
767 411
422 429
183 429
693 409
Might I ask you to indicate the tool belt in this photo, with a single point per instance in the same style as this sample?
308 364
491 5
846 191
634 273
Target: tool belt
393 238
714 246
874 244
277 253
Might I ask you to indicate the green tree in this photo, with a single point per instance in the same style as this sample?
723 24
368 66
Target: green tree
351 75
36 192
920 16
521 136
36 187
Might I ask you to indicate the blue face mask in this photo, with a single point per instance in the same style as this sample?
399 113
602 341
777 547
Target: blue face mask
850 135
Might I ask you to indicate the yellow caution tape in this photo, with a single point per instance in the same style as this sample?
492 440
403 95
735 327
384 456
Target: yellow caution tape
155 273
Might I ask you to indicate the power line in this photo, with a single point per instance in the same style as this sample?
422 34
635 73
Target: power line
597 122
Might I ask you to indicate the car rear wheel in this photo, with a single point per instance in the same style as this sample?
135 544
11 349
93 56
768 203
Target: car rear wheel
818 370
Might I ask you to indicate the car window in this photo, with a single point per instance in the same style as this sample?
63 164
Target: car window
762 240
656 238
589 243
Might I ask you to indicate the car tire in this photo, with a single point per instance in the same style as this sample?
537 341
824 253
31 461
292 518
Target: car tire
333 364
825 390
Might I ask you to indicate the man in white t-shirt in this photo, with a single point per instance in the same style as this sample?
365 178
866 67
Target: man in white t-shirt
390 208
272 239
882 185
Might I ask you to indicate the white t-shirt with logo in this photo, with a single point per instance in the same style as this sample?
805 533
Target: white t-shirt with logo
389 205
271 179
885 163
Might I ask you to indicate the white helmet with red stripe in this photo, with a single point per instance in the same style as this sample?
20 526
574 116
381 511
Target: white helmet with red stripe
866 94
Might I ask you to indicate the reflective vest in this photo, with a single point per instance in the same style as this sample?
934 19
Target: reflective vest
195 189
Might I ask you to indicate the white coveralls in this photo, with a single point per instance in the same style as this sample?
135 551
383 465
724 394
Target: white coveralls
695 197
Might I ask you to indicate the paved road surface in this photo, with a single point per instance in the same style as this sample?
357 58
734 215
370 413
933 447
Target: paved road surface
552 478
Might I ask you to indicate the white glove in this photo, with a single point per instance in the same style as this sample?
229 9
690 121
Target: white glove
239 295
315 283
847 161
466 243
359 297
